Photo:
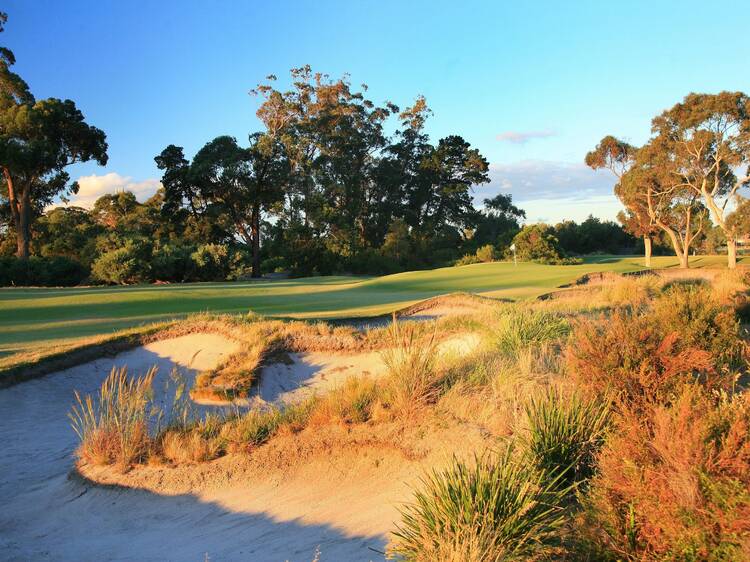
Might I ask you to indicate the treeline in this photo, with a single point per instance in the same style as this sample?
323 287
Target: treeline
322 189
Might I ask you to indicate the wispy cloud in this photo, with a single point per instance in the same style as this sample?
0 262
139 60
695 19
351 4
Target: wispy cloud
94 186
553 191
522 137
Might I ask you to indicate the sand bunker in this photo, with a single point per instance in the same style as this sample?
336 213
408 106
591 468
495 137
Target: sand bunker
270 505
305 374
41 517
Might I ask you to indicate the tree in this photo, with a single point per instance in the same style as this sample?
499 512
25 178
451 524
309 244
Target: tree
706 138
618 157
670 206
38 140
241 182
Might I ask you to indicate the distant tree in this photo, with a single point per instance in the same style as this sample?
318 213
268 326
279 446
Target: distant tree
499 221
705 139
243 182
618 157
38 140
672 207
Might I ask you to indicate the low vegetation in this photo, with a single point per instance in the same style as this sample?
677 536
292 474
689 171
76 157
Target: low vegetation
612 433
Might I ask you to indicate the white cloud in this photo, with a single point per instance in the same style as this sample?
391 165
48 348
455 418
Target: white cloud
522 137
553 191
94 186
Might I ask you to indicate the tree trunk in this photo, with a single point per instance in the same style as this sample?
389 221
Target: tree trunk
255 229
20 212
731 252
647 249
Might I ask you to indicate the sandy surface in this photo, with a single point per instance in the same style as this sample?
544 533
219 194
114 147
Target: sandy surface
306 374
336 490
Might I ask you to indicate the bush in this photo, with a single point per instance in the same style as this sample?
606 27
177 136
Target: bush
641 358
130 263
674 482
56 271
537 242
114 428
276 264
483 511
211 262
484 254
411 368
565 434
172 263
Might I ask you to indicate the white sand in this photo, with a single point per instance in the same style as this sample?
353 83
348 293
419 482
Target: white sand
345 504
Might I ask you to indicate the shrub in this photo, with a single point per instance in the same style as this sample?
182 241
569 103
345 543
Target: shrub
565 434
702 321
486 253
352 402
55 271
172 262
640 358
276 264
211 262
483 511
537 242
129 263
411 368
113 429
519 329
674 482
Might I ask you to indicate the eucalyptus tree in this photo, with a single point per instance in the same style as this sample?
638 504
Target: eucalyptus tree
38 140
618 157
706 140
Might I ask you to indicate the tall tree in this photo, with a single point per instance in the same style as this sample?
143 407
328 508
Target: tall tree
671 207
38 140
618 156
242 182
706 138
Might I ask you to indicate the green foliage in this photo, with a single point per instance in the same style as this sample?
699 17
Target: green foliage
537 243
519 329
172 262
565 434
129 263
41 271
486 510
211 262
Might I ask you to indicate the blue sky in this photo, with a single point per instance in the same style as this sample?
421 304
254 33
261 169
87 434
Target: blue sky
533 85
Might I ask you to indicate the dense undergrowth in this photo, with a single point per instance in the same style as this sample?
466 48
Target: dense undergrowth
618 423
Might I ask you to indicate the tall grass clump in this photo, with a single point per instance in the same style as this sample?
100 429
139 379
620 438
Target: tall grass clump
520 329
486 510
410 361
565 433
113 427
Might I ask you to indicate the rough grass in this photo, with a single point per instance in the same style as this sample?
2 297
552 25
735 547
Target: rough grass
114 426
490 509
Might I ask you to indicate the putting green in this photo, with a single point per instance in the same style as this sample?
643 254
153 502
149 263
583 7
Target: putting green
30 318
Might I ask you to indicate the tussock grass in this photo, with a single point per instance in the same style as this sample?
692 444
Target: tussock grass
113 428
565 433
490 509
517 330
412 381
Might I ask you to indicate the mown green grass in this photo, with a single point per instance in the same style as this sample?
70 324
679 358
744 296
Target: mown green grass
36 317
